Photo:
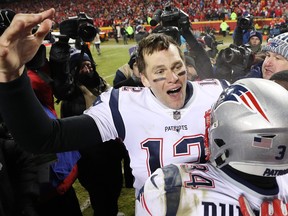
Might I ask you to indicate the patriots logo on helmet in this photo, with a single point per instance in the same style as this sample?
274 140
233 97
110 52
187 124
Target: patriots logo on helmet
241 94
272 44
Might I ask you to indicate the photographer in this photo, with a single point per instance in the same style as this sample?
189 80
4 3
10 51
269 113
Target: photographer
276 59
246 34
57 172
19 188
242 31
237 60
76 85
255 41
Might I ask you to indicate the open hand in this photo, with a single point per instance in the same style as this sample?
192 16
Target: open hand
18 45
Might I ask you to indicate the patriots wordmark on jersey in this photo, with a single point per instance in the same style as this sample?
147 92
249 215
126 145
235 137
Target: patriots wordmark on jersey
154 134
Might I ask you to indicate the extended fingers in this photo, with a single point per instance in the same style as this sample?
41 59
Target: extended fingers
275 208
46 23
245 207
22 25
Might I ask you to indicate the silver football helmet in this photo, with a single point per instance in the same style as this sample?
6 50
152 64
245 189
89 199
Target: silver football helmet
249 128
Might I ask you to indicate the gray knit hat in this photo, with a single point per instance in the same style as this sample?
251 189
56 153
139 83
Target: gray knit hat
278 44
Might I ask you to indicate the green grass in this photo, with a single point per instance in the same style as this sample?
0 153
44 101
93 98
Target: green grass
113 56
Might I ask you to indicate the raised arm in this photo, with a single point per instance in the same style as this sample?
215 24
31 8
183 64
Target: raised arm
20 108
18 45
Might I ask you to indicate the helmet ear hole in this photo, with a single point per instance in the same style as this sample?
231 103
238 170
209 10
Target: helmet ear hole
219 142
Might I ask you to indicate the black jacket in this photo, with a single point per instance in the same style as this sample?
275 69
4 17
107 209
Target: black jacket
18 180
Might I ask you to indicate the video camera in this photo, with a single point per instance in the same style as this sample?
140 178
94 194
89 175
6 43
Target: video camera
171 19
245 22
80 26
6 16
238 55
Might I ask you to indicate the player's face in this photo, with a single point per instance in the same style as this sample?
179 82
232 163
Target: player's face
273 63
166 76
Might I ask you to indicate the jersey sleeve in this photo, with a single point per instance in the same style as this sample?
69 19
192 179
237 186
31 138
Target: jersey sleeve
101 112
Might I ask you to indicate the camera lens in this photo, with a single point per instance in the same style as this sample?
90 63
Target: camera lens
230 55
244 22
87 32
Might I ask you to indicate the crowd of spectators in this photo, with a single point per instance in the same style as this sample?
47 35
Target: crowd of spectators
114 12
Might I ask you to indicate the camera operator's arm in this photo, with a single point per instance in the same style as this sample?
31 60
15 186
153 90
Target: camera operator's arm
238 36
63 84
202 61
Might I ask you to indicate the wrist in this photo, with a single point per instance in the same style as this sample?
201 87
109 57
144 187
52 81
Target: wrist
7 77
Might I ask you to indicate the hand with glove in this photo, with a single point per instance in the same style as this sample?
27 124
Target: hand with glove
268 208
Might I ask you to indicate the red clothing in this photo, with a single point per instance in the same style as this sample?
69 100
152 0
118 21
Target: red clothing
42 89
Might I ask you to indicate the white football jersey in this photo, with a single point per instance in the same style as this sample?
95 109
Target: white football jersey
197 190
153 134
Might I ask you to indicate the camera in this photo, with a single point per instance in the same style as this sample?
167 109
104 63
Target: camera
245 22
80 26
238 55
6 16
171 19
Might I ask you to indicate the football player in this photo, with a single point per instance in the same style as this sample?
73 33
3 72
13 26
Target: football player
160 124
248 136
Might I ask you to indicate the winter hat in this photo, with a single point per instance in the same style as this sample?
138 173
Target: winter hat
75 56
138 28
256 34
278 44
132 60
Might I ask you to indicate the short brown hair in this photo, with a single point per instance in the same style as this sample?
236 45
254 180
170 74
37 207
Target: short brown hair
150 44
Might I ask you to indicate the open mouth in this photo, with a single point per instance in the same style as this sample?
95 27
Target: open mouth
174 91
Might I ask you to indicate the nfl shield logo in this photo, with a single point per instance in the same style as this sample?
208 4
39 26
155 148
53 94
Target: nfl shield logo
176 115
